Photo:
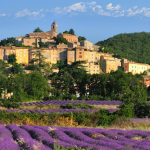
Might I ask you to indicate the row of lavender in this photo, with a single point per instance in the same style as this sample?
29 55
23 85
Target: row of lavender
65 102
38 137
55 110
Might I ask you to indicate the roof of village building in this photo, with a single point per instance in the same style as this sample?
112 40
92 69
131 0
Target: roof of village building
67 34
13 47
19 37
54 23
136 63
39 34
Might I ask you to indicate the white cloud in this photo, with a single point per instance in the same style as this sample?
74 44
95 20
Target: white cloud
98 9
2 15
109 6
118 13
78 7
88 7
31 15
135 7
91 3
143 11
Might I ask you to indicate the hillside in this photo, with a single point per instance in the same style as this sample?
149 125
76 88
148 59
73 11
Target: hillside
133 46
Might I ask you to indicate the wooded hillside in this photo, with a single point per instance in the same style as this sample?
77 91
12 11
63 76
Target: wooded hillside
133 46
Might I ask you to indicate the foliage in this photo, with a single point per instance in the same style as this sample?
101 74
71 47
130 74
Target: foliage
41 44
81 38
17 68
61 40
27 35
26 86
133 100
59 64
8 104
37 30
132 46
105 50
12 58
9 41
67 32
77 106
71 31
20 45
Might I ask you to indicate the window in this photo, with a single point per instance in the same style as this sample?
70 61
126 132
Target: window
94 70
86 56
18 54
92 54
80 56
142 67
91 57
24 54
69 52
11 50
20 58
135 66
135 70
97 70
132 66
80 53
89 70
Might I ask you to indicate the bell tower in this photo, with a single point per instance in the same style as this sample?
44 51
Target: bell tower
54 27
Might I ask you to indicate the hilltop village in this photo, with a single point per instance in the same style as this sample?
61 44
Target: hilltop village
96 62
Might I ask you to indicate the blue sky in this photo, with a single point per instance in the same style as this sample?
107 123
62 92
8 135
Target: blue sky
96 20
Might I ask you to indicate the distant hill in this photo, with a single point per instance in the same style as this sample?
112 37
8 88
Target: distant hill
133 46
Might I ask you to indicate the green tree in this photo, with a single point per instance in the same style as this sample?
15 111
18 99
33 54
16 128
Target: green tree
12 58
37 30
39 60
81 38
11 40
61 40
3 42
17 68
41 44
67 32
71 31
134 99
27 35
3 76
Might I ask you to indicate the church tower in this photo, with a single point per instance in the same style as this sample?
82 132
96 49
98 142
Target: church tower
54 27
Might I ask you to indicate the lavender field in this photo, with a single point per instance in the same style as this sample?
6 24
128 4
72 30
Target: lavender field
65 102
45 137
54 110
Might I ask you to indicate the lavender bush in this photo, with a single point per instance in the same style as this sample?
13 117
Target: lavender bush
45 137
